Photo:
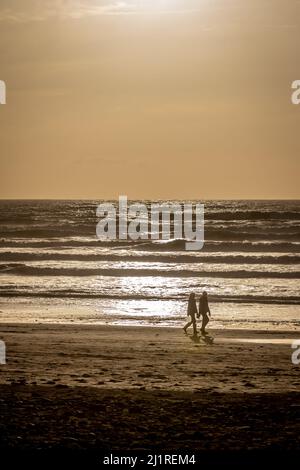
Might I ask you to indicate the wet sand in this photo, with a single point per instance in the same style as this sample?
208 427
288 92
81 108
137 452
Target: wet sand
154 358
103 389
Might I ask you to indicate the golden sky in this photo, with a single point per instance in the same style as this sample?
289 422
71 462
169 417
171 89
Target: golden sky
152 99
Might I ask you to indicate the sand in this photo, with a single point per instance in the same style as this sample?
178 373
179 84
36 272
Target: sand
105 389
154 358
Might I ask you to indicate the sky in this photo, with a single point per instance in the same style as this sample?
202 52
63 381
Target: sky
151 99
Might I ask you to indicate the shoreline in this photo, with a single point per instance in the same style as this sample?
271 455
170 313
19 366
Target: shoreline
165 313
226 332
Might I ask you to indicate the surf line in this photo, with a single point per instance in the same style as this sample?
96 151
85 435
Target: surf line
155 221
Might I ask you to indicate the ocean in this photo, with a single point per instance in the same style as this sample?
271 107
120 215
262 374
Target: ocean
54 269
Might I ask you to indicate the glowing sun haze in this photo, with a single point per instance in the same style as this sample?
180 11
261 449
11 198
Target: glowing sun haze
153 99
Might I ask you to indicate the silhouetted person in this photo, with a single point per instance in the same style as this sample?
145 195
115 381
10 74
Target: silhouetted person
204 311
192 311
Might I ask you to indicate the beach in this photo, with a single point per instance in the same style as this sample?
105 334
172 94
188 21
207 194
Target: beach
102 389
149 234
155 358
97 360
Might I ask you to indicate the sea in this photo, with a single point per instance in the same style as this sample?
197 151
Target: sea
54 269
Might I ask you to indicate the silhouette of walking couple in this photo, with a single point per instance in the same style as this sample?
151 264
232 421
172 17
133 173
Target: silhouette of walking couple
203 311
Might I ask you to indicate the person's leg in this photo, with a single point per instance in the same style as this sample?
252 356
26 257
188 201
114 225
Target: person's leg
204 323
187 325
194 326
